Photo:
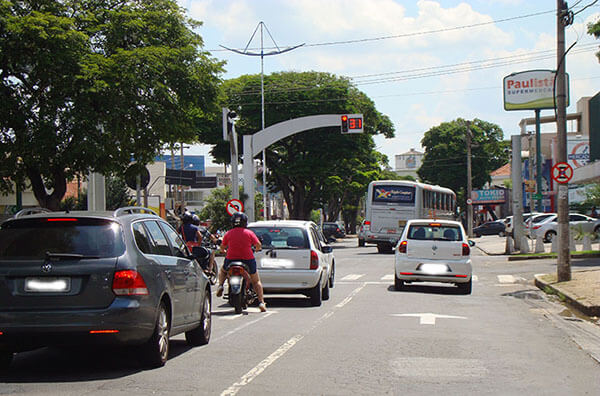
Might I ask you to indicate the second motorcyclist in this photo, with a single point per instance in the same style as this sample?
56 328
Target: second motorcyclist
191 231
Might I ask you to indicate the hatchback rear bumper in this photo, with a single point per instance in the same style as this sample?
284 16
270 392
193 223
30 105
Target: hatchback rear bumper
288 281
125 321
460 271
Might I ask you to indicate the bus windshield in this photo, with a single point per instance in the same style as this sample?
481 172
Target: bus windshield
390 194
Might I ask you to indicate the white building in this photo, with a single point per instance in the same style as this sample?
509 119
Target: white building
408 163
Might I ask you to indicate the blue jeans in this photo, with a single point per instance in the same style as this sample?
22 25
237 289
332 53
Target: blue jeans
251 263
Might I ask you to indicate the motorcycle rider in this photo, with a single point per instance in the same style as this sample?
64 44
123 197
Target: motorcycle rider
238 243
193 232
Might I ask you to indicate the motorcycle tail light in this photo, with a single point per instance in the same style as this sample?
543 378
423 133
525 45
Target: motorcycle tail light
314 260
466 250
129 283
235 271
402 247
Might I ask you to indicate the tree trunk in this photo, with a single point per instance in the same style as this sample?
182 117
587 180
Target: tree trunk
49 201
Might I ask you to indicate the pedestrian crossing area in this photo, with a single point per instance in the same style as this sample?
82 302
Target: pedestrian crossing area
500 280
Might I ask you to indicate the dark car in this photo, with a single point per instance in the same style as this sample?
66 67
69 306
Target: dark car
80 278
334 230
490 228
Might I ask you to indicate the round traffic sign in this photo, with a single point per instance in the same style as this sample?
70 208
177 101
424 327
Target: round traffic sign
469 201
562 172
234 206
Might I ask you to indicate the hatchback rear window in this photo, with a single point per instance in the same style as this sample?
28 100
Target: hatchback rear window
435 232
282 237
32 238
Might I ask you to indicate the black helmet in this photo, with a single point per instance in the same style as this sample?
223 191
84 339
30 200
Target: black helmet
187 217
239 219
195 220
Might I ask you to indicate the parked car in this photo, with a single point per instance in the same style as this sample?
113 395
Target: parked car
508 222
295 259
433 251
548 229
81 278
334 230
490 228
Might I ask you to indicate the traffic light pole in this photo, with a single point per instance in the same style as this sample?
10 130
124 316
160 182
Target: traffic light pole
469 183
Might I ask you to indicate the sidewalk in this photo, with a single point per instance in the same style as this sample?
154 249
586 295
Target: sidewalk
582 292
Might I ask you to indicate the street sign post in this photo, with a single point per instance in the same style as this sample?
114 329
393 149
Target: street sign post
562 172
234 206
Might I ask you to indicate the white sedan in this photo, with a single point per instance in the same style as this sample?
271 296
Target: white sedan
295 259
548 229
433 251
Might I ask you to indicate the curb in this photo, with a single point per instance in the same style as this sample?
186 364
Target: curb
547 256
589 310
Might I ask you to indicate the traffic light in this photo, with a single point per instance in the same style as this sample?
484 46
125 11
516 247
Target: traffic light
344 124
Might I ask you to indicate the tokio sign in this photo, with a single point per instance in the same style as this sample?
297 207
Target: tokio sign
530 90
233 206
488 196
562 172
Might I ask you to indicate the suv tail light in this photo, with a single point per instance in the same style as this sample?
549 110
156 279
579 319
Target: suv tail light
314 260
129 283
402 247
367 225
466 250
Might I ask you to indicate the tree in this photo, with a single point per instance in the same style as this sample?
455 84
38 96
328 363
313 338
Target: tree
88 85
445 160
311 167
594 29
215 207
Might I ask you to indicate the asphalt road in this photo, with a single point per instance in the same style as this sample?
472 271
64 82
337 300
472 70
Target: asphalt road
505 338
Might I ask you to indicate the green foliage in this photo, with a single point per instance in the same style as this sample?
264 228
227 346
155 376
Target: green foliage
318 167
592 195
594 29
87 85
117 193
214 208
445 160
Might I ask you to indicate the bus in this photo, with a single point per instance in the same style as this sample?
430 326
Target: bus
390 203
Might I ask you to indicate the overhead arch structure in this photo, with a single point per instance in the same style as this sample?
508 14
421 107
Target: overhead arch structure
254 144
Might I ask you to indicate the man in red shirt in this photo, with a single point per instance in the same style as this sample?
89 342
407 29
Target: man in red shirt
238 243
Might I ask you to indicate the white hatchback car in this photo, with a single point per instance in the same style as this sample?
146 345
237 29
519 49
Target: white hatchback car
433 251
295 259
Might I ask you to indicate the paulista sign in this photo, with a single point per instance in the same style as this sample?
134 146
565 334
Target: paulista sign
530 90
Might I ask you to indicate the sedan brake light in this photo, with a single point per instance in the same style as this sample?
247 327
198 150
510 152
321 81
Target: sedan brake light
314 260
466 250
129 283
402 247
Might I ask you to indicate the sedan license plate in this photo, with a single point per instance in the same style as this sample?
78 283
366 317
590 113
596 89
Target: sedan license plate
46 285
434 269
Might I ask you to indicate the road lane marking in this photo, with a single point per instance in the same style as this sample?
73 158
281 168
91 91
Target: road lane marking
388 277
351 296
506 279
352 277
429 318
256 371
230 332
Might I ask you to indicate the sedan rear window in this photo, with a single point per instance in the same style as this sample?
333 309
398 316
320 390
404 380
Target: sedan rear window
435 232
282 237
27 239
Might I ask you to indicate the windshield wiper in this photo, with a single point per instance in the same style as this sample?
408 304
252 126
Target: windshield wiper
68 256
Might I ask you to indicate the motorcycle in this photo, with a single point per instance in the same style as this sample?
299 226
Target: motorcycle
202 256
240 292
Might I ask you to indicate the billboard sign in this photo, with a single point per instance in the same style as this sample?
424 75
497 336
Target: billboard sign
530 90
488 196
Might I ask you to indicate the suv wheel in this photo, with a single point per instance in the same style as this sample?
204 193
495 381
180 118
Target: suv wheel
5 359
398 283
332 276
361 242
201 334
156 349
465 288
549 236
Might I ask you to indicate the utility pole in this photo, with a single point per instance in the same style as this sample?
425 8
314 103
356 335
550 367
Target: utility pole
262 93
469 183
563 18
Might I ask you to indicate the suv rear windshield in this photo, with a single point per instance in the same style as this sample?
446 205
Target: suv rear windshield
281 237
435 232
31 238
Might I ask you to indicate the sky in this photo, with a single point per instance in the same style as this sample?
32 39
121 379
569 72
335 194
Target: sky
422 62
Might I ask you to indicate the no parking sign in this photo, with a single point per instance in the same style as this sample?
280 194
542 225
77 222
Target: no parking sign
562 172
234 206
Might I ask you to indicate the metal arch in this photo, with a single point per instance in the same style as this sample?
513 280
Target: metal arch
254 144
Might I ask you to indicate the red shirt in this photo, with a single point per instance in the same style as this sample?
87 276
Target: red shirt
238 242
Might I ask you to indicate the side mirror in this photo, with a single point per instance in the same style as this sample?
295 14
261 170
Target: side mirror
327 249
471 243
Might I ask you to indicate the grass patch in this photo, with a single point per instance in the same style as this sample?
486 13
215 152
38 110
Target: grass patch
554 255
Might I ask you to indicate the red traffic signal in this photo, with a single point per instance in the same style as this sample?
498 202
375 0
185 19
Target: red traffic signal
344 123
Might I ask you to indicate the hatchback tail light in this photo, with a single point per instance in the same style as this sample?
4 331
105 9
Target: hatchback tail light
367 225
402 247
314 260
466 250
129 283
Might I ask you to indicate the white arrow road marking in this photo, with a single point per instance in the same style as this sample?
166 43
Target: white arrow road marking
352 277
429 318
388 277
